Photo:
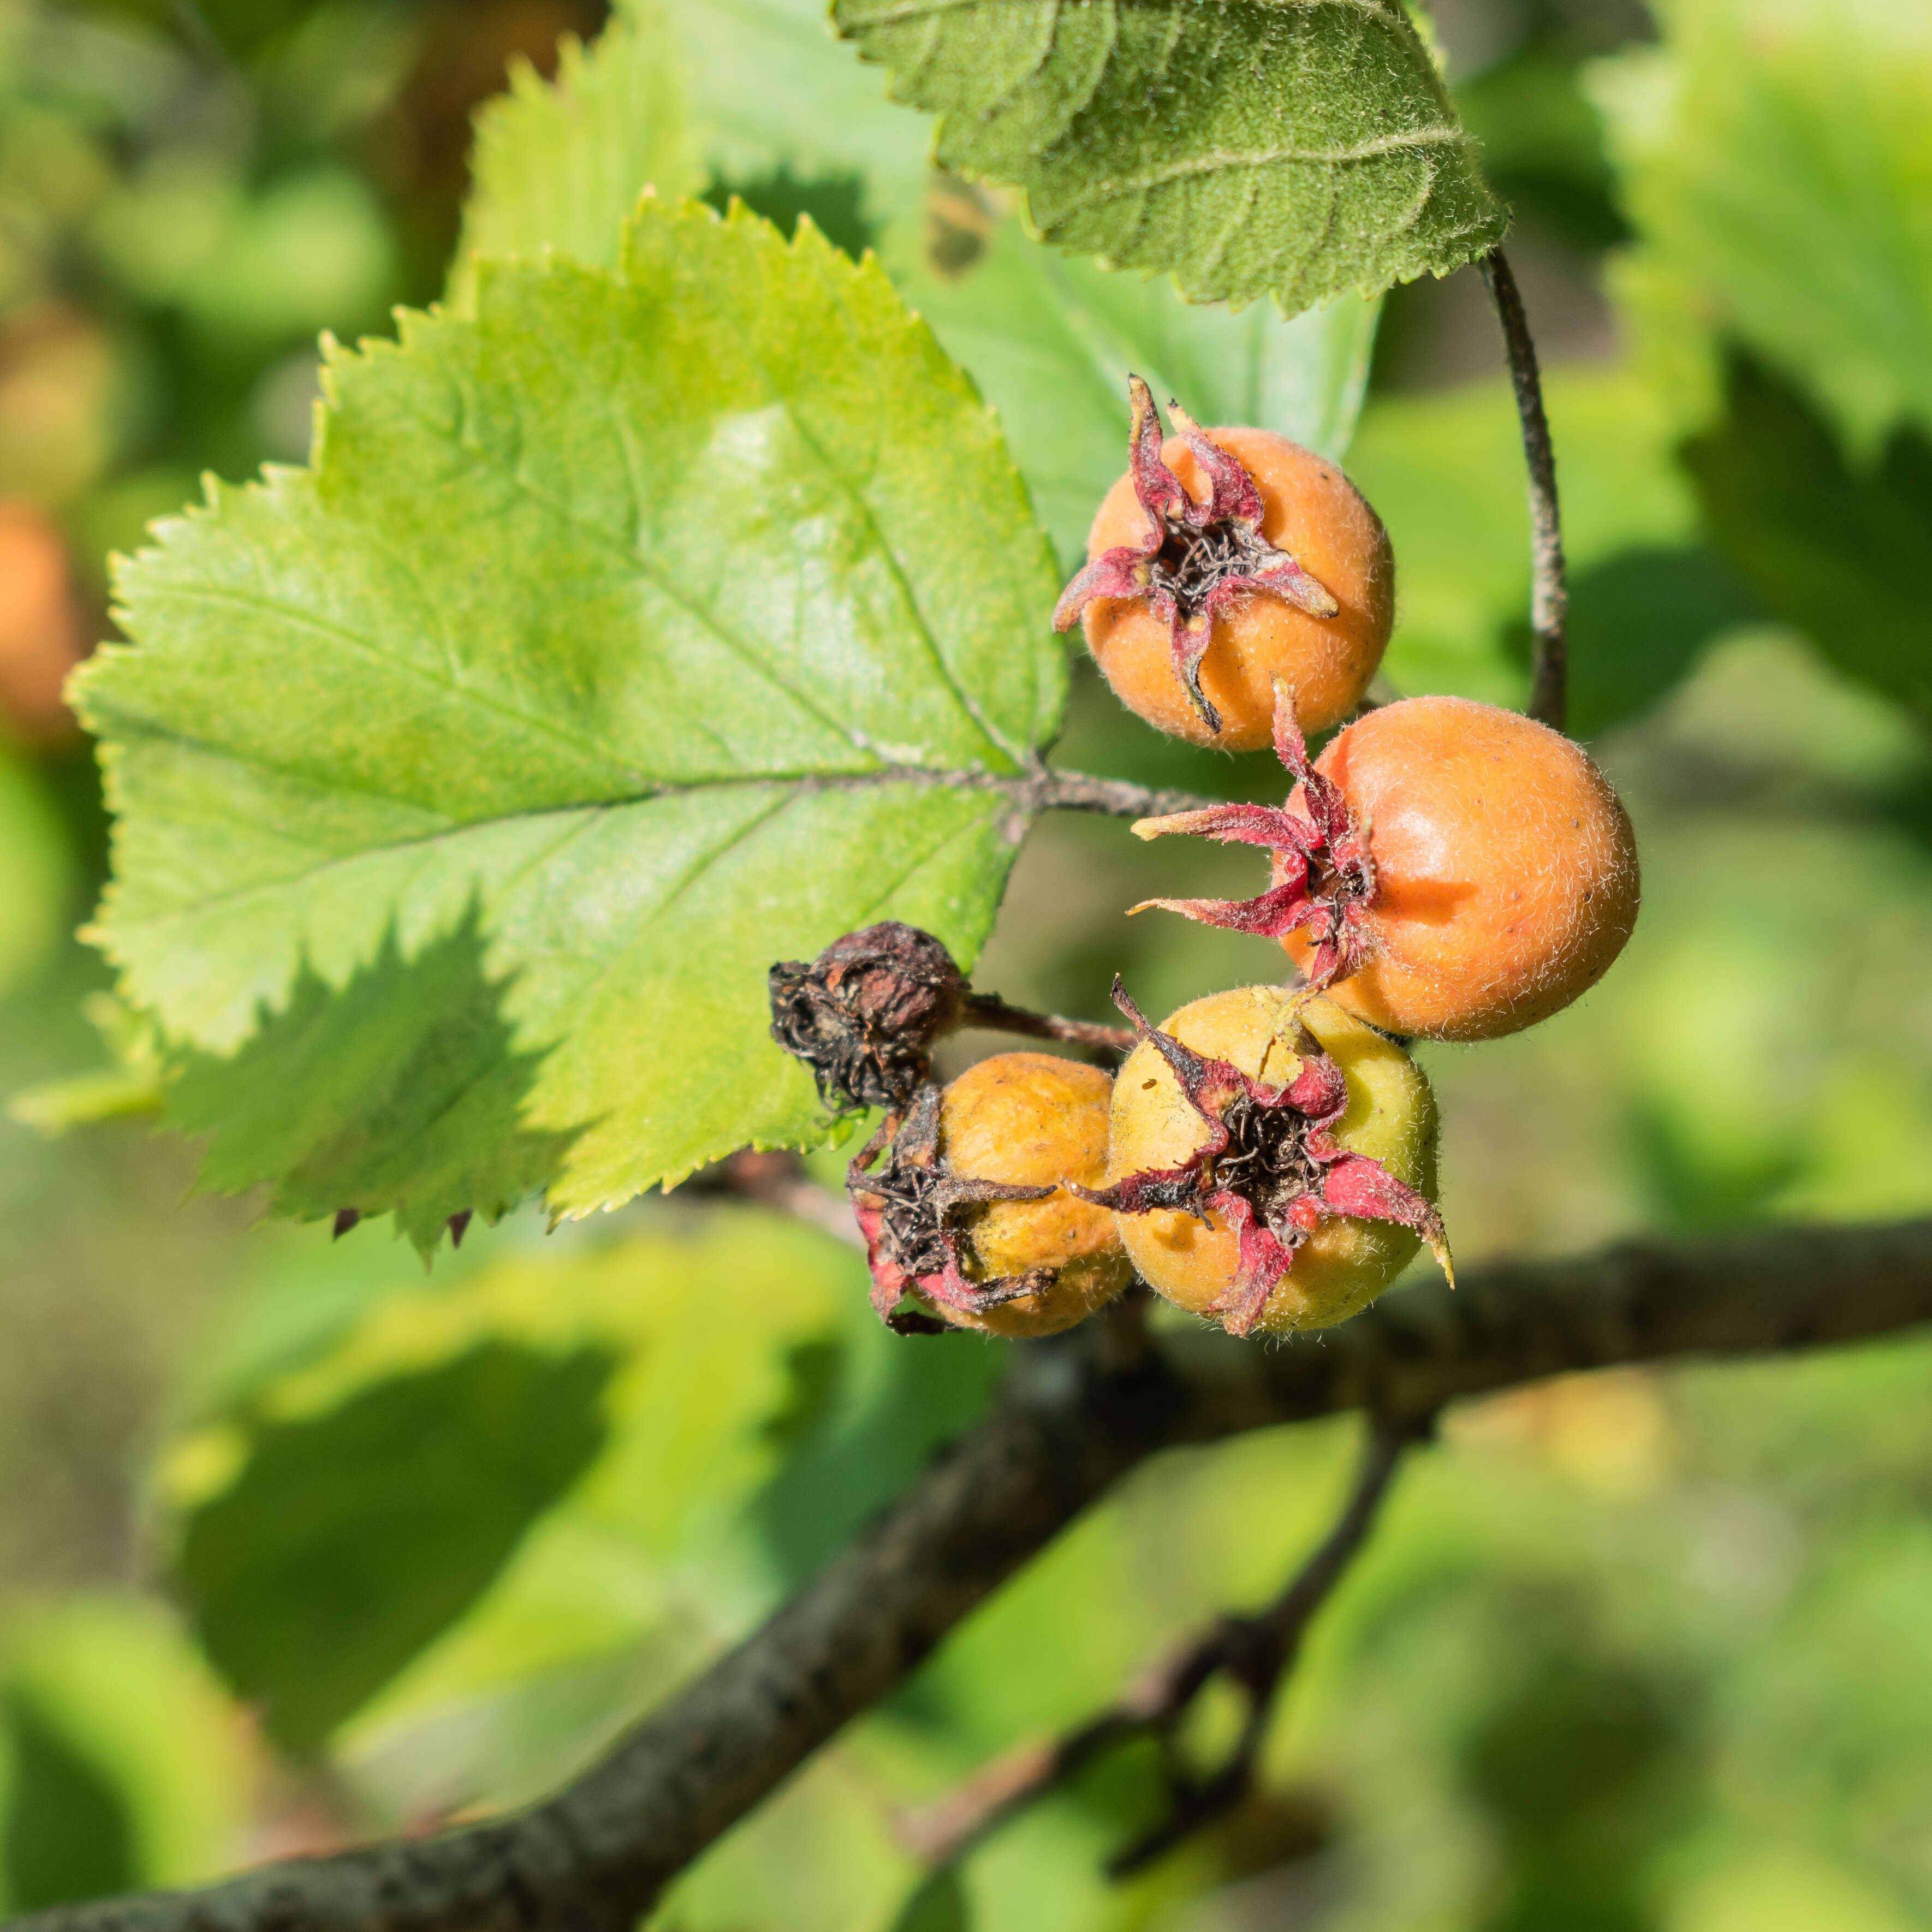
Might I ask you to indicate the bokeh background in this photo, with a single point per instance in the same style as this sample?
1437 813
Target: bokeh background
300 1544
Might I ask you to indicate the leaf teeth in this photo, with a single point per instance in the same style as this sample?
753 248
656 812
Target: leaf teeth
666 754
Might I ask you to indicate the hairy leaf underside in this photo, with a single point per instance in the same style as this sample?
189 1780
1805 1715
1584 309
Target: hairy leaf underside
1298 147
469 780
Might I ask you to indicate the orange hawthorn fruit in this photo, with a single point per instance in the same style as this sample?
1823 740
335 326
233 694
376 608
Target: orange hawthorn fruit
970 1215
1445 869
1272 1161
1223 559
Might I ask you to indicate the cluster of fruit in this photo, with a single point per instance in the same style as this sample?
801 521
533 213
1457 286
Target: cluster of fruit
1445 870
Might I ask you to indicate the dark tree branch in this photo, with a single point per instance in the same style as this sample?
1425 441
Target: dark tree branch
1078 1414
1255 1651
1549 673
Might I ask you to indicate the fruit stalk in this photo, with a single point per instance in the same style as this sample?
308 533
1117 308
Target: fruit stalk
989 1010
1550 668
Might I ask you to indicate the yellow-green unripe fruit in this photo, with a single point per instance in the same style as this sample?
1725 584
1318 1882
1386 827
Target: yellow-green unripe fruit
1037 1120
1345 1262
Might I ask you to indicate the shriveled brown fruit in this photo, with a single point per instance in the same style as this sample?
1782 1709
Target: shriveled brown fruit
1310 512
1036 1120
863 1015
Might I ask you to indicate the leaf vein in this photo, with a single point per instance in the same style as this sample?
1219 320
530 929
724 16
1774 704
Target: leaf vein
639 561
341 633
1223 160
793 784
923 629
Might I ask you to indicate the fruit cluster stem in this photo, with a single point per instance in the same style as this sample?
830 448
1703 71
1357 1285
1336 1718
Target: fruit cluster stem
1550 670
989 1010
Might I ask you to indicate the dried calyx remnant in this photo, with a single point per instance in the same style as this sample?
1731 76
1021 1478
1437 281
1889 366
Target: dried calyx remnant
1270 1167
1324 876
914 1213
864 1016
1198 559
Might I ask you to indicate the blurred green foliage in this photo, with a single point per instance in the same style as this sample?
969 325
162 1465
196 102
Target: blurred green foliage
1638 1652
1833 545
352 1538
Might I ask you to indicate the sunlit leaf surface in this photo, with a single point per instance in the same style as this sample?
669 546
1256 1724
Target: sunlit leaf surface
617 644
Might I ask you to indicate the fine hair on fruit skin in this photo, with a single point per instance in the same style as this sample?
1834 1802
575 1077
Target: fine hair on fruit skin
1037 1120
1311 510
1345 1262
1506 870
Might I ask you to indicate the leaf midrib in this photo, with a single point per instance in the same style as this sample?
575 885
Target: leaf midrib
792 784
1226 161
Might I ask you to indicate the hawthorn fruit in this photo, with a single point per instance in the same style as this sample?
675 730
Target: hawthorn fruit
1445 869
969 1217
42 627
1223 559
1272 1159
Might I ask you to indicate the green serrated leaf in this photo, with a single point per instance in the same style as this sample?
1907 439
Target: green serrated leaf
56 1107
647 627
131 1086
123 1751
757 1414
771 88
402 1092
750 93
939 1904
1050 340
785 118
1246 147
67 1835
559 164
